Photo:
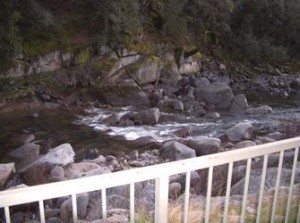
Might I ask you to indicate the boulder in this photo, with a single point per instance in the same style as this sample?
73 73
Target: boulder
295 84
240 131
82 205
172 150
261 110
6 170
61 155
217 94
271 177
183 132
76 170
275 135
174 190
180 178
239 105
25 151
43 173
147 117
146 142
111 120
126 94
177 105
26 138
244 144
204 145
146 72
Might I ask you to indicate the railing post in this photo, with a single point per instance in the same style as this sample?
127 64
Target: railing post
161 199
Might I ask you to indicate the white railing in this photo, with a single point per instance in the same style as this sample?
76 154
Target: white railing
161 173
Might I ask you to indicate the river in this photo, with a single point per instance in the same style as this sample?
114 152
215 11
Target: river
86 131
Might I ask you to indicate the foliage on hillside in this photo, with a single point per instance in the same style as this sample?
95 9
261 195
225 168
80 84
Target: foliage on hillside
243 30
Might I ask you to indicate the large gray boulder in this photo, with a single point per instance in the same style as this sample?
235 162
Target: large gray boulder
217 94
25 151
146 71
61 155
6 170
204 145
239 132
147 117
239 105
172 150
271 177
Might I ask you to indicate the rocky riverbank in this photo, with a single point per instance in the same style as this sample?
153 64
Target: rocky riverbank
177 112
32 167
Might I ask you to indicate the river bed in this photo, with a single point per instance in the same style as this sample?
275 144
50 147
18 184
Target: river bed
85 131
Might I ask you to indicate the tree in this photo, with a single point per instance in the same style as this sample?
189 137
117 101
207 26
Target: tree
10 39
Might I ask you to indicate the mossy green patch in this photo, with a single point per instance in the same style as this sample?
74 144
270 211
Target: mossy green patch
84 56
39 47
104 65
20 88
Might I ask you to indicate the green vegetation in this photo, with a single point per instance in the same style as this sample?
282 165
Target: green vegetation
252 32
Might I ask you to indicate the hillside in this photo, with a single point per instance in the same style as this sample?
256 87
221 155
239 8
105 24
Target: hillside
253 33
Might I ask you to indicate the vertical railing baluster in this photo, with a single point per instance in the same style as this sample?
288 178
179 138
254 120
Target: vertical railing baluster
161 199
132 211
208 195
246 187
7 215
187 197
42 211
298 215
103 198
288 207
277 186
228 187
74 208
262 186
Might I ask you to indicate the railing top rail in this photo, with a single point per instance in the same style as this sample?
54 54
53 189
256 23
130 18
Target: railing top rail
86 184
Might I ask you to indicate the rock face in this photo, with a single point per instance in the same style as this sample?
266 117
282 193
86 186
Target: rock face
240 132
147 72
61 155
217 94
176 151
46 63
147 117
239 105
6 170
204 145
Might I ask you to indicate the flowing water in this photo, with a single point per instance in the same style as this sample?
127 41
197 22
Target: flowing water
86 131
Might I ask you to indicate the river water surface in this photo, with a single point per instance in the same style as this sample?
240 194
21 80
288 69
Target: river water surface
86 131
